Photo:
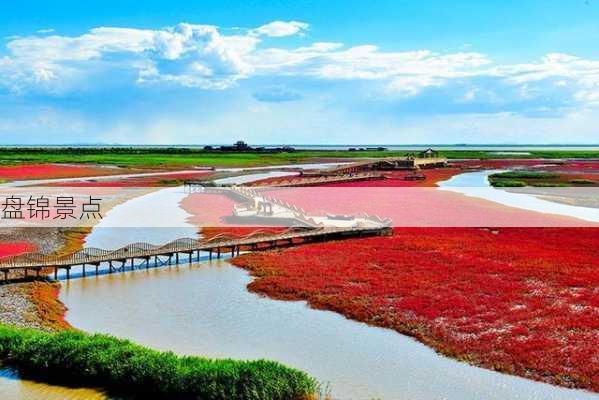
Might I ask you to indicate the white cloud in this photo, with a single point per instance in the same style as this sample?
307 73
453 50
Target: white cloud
320 47
404 72
201 56
198 56
192 55
563 70
280 28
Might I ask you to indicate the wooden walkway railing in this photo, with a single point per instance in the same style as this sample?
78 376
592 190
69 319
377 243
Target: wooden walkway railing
388 163
219 244
307 180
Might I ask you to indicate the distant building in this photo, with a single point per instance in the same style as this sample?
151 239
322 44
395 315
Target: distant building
241 146
379 148
429 153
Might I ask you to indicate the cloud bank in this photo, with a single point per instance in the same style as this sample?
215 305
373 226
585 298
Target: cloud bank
204 59
201 56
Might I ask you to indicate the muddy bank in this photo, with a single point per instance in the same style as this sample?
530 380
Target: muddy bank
32 305
43 239
35 304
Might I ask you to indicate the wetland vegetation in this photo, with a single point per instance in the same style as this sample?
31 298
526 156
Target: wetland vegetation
123 366
187 156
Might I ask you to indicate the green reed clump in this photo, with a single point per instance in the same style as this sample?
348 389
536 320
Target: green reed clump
507 183
117 364
583 182
525 175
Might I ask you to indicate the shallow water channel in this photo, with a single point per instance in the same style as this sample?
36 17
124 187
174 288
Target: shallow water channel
476 184
204 308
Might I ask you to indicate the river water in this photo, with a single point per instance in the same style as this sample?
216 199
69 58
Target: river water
476 184
204 309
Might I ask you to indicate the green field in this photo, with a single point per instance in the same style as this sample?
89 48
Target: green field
524 175
535 178
180 157
124 367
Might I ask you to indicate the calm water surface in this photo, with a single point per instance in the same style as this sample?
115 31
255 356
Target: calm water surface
205 309
476 184
12 387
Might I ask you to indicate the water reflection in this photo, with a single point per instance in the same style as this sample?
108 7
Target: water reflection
13 387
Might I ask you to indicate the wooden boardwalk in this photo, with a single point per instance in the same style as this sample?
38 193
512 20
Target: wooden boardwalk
305 179
317 180
36 264
387 163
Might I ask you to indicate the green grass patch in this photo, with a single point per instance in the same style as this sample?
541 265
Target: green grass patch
548 184
508 183
120 365
582 182
524 175
524 178
181 157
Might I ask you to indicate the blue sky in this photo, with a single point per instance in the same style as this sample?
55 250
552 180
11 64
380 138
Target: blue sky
328 72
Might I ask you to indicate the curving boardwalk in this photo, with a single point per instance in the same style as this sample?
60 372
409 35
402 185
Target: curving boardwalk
388 163
307 180
220 244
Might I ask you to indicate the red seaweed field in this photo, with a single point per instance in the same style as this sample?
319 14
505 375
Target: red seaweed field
416 206
170 179
52 171
519 300
14 248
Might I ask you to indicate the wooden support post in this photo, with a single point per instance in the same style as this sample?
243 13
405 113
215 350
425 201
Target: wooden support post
26 272
55 273
5 275
132 263
233 251
147 262
68 273
83 271
37 272
156 261
218 252
176 258
97 266
210 254
110 267
238 250
190 254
